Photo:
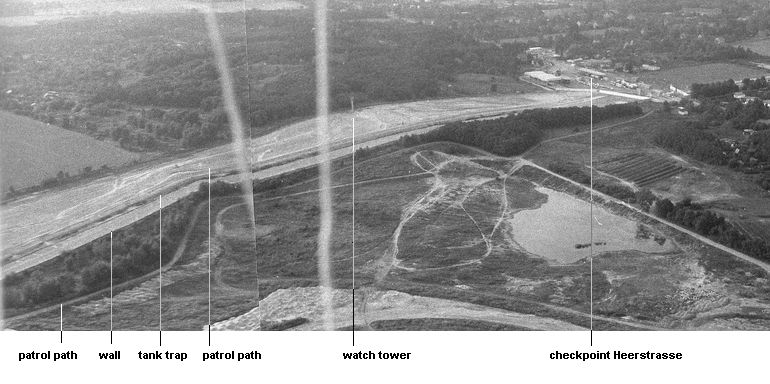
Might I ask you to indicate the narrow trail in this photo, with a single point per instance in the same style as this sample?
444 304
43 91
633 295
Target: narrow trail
504 212
388 262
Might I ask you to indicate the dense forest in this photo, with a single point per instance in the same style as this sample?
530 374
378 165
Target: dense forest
685 139
152 83
516 133
702 91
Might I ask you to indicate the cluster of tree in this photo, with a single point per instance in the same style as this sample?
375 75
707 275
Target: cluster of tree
708 223
759 145
86 269
747 116
748 84
751 156
758 88
763 94
756 157
719 88
514 134
701 145
571 116
63 177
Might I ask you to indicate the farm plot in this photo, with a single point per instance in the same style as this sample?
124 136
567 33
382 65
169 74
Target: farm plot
31 151
641 169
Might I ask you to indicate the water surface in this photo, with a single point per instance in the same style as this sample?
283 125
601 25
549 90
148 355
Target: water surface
555 229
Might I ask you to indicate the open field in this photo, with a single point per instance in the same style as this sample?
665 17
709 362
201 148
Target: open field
683 77
31 151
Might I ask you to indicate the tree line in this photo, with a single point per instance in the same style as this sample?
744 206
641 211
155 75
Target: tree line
719 88
514 134
687 140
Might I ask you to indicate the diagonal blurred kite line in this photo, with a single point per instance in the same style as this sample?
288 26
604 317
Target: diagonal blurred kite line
240 149
322 135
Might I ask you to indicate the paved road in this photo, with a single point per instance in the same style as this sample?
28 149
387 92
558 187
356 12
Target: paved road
39 227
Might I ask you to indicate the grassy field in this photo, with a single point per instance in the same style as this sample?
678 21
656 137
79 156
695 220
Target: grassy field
683 77
761 46
31 151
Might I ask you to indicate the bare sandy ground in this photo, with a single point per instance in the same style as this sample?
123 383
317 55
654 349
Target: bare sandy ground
291 303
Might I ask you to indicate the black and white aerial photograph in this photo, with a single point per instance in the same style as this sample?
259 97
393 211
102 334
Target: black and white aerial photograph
385 165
